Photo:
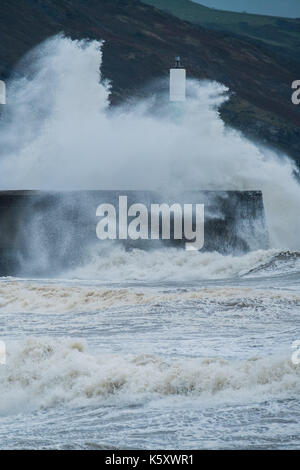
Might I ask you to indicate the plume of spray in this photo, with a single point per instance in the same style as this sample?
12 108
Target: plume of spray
58 133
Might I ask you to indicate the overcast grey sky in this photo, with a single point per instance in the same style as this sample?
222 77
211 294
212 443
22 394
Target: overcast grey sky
290 8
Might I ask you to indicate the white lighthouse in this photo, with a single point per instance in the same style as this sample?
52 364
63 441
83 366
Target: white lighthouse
2 92
177 82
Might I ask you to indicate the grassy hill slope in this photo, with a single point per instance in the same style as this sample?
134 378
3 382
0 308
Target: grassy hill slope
281 34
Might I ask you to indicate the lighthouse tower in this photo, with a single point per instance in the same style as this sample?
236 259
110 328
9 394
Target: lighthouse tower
2 92
177 82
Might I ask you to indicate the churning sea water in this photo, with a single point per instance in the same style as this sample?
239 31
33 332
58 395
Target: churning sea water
160 349
157 363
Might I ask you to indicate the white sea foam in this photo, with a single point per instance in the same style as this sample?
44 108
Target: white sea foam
46 372
32 297
167 264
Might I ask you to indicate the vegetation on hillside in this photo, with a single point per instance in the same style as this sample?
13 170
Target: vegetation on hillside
280 34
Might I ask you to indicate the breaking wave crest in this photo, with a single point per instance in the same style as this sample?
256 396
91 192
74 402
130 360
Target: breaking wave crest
282 262
177 265
47 372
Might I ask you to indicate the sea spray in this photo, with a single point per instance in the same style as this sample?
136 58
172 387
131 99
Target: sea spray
58 133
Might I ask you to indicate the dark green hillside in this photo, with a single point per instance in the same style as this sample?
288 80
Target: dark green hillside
282 34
